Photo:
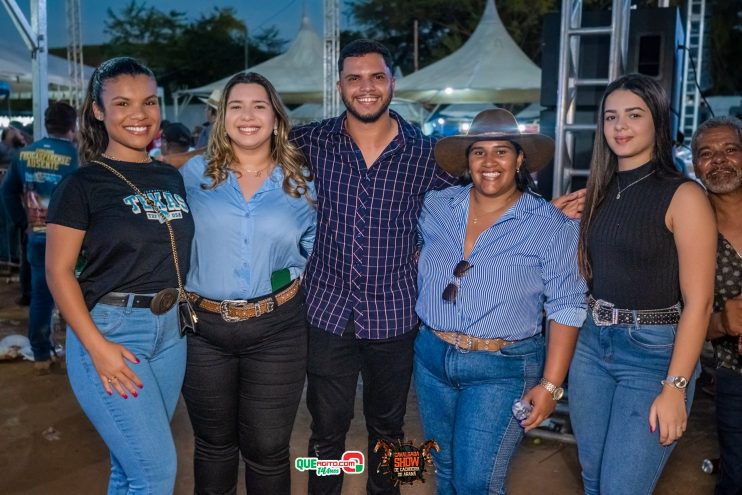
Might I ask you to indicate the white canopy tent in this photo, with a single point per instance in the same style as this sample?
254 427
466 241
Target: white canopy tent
488 68
296 74
15 69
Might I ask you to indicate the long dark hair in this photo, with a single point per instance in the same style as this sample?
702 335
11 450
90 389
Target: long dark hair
283 152
93 138
604 163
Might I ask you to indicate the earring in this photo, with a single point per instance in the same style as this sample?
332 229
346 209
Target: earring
275 131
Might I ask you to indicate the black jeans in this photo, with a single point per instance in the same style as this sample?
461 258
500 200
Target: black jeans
729 426
242 387
332 373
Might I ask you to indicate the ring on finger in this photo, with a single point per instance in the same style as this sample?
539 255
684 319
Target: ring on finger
110 380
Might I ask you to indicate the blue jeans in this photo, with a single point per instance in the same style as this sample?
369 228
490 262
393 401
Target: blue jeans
613 380
136 430
729 426
42 304
465 401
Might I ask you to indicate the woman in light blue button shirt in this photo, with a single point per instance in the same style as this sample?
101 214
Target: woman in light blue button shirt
495 257
251 199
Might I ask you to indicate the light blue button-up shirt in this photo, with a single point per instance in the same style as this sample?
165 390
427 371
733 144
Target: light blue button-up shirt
522 265
238 244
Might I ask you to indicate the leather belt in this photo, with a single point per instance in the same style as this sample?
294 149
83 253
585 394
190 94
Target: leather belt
122 299
605 313
465 343
233 310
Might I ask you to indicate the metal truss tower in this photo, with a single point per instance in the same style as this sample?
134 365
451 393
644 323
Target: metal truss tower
569 81
331 101
74 52
692 66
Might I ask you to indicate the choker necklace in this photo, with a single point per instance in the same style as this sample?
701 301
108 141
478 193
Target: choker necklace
618 181
111 157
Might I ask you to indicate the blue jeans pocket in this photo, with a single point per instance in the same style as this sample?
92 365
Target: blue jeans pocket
108 319
524 348
652 337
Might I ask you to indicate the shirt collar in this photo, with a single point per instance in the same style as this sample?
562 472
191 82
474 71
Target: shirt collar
406 130
527 204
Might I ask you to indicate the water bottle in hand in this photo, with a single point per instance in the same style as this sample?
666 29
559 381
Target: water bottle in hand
521 409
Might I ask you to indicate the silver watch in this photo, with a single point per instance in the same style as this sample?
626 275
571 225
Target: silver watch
679 382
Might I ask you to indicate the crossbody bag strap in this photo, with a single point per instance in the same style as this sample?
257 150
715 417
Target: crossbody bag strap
151 204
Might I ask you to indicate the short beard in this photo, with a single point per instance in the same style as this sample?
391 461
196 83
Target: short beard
722 185
368 118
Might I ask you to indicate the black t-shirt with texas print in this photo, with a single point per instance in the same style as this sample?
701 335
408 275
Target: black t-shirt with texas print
126 244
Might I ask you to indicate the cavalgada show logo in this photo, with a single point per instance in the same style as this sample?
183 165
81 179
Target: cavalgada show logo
352 462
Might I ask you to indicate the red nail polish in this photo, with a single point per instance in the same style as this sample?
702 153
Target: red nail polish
651 430
141 386
125 396
135 394
109 392
136 359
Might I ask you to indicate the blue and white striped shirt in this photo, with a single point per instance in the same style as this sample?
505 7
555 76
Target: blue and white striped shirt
523 264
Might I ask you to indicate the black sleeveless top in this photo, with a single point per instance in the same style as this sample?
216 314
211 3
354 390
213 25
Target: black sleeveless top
632 252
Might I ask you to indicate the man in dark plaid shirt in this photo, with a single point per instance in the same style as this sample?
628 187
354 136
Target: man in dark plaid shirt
372 170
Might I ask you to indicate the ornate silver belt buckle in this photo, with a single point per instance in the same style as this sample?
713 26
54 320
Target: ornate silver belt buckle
601 304
224 309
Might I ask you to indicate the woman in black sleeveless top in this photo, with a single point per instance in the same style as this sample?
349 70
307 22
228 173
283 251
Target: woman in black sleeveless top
647 244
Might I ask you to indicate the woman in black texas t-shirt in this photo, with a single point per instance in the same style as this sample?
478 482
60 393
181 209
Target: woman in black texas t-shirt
124 362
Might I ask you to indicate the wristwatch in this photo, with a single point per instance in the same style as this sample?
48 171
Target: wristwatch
678 382
556 392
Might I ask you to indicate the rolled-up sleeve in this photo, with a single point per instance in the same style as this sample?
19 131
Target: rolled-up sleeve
565 290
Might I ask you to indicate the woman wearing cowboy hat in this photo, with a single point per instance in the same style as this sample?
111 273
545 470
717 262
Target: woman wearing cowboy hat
494 257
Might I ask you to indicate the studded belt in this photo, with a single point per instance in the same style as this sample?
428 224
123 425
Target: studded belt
605 313
232 310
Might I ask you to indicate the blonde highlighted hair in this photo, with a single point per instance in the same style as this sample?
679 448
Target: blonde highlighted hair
220 153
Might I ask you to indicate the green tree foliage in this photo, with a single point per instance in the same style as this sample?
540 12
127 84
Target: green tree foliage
726 46
187 53
444 25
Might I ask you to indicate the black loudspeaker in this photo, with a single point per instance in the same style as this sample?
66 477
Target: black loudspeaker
655 40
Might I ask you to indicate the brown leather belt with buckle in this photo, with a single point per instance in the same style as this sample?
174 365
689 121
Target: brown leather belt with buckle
466 343
604 314
233 310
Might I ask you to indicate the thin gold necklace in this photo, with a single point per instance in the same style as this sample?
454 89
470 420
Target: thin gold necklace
111 157
255 173
475 217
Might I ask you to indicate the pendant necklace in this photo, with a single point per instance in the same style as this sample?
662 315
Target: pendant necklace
618 180
256 173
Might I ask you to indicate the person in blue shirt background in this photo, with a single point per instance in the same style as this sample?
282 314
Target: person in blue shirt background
494 257
26 190
252 201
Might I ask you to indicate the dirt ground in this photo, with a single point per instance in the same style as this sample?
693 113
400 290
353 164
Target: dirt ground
48 447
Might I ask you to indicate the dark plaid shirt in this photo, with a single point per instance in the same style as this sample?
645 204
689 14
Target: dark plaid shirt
364 261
